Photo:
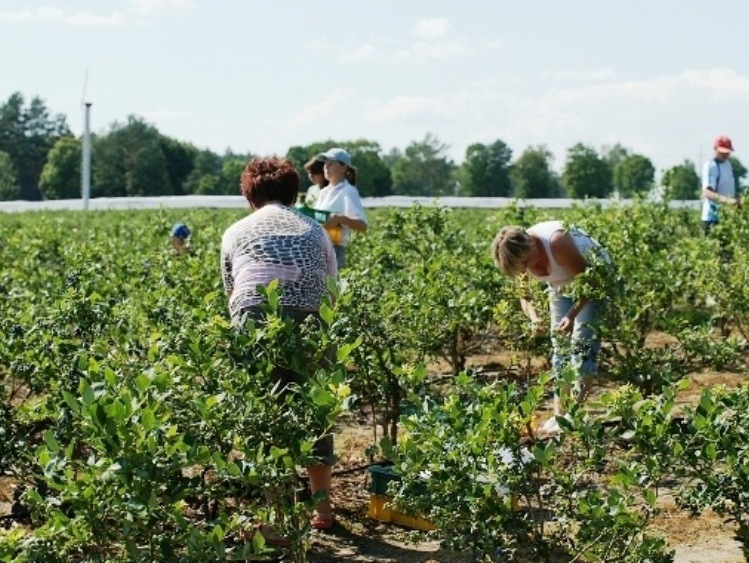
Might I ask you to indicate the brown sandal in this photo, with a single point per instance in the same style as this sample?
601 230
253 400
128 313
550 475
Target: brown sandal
322 522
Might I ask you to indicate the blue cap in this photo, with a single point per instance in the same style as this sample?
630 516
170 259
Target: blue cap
180 230
337 154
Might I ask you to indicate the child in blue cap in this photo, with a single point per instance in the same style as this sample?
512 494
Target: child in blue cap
180 234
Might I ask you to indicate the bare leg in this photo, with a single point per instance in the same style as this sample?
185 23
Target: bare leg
581 393
319 480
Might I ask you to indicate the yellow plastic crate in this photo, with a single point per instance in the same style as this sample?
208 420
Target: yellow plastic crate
380 509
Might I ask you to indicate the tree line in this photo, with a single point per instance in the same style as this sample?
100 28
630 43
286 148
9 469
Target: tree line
41 159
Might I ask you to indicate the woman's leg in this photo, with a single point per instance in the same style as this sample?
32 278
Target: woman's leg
585 348
320 477
559 306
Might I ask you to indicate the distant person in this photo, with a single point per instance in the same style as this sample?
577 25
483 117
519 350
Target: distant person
180 236
341 198
277 243
554 254
718 185
316 174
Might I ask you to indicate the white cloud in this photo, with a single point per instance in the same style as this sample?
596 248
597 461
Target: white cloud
314 112
422 51
48 14
430 40
436 40
666 118
405 107
148 7
718 83
430 29
366 52
582 75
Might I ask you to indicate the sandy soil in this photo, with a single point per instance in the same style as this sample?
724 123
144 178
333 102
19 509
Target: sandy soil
356 538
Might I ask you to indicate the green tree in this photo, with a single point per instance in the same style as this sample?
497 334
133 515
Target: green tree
424 169
391 157
61 175
231 173
614 155
586 174
681 182
532 176
180 159
8 185
130 161
299 155
372 174
634 175
485 171
205 175
27 133
216 175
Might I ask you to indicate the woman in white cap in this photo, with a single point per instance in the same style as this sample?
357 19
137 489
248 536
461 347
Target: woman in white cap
342 200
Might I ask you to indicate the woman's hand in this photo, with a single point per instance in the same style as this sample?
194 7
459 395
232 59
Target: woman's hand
566 325
334 221
538 328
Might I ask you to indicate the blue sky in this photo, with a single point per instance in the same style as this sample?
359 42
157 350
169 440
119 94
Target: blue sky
661 77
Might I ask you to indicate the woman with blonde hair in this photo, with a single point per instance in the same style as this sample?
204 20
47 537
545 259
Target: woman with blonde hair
551 253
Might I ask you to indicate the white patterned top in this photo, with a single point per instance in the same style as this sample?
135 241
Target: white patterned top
276 242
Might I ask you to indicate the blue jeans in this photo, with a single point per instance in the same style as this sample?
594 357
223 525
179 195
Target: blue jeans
340 255
582 353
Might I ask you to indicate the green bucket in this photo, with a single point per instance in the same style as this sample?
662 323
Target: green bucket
318 215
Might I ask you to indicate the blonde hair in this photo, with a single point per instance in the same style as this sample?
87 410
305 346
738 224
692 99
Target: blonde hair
510 248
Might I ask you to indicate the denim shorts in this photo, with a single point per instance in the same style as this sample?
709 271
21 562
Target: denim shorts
582 355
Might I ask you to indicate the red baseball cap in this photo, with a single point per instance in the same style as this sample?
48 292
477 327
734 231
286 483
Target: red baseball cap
723 144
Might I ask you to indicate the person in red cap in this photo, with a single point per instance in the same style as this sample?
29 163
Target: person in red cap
718 185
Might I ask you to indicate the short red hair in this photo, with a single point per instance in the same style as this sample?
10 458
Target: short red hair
269 179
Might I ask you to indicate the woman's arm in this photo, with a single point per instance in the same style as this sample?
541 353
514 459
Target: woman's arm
530 312
352 215
350 222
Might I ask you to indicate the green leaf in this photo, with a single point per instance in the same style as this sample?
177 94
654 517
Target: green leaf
49 439
87 394
327 314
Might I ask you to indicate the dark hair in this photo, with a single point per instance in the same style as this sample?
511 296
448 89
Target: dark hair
350 175
269 179
315 166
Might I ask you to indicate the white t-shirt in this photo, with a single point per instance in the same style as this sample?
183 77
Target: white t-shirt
276 242
342 199
717 175
312 195
559 276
